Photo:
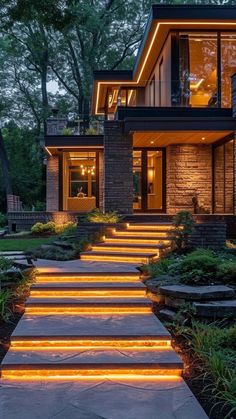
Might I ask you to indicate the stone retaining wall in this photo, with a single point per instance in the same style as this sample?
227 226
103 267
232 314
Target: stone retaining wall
18 221
209 235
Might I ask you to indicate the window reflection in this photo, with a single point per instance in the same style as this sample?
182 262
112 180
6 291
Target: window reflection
198 69
228 66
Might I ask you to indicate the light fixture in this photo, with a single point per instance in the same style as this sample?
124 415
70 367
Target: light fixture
203 138
152 142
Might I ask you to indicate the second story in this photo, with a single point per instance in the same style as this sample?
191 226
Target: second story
186 59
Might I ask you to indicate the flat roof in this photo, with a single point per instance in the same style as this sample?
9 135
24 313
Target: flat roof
161 19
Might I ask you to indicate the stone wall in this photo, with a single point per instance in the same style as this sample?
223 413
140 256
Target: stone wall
118 173
24 220
209 235
52 186
188 174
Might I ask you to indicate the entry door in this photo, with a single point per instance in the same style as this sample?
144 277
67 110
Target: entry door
148 180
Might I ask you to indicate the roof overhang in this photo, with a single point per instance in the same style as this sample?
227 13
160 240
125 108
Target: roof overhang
161 20
53 144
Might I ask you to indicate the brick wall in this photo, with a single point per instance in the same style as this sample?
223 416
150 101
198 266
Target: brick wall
189 173
101 181
52 186
209 235
118 174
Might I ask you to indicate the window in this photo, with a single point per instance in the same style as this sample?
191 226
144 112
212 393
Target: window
198 69
82 175
228 66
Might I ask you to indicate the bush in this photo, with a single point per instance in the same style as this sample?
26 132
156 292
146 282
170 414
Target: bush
97 216
3 220
52 228
183 224
5 264
198 269
227 272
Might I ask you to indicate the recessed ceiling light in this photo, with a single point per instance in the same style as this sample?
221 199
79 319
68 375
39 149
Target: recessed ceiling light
152 142
203 138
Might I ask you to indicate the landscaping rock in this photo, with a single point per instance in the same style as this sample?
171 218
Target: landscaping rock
155 283
167 315
187 292
174 302
216 309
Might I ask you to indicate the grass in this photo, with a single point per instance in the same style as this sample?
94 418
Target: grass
23 244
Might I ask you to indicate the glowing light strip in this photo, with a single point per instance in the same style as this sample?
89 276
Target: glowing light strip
71 345
52 375
52 279
39 311
86 294
49 152
134 83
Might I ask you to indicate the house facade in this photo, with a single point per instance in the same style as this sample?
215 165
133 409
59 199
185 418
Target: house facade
168 142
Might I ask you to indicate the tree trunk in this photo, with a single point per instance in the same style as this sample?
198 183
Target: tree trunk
5 167
44 98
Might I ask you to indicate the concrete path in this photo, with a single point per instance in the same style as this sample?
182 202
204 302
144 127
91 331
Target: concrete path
89 347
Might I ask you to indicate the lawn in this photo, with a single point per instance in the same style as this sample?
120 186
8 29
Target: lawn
24 244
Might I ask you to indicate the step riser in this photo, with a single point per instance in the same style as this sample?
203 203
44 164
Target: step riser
39 311
113 248
68 278
87 294
138 233
84 375
112 258
149 228
73 344
114 240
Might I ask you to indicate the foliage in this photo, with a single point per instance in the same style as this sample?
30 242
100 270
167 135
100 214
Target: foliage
198 269
52 228
227 272
3 220
97 216
91 131
5 264
5 299
183 224
66 131
54 253
216 346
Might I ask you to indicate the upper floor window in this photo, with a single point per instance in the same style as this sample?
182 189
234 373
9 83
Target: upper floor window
207 62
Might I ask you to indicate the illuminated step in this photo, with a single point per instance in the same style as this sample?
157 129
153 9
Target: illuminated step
90 364
149 226
118 256
137 240
52 277
122 247
102 305
88 290
134 233
87 329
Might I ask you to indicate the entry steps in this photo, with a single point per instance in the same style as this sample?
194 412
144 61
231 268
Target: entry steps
135 243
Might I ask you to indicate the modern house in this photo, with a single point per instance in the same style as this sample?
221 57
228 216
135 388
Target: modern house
169 124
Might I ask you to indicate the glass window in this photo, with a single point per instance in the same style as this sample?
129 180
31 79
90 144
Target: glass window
154 179
137 179
82 175
228 66
198 69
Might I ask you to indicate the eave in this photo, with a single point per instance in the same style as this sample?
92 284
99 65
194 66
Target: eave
53 144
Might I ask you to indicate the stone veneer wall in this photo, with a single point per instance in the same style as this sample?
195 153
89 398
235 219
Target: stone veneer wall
52 186
24 220
210 234
118 174
188 173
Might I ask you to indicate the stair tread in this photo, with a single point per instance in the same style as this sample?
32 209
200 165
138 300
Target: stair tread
165 359
88 286
141 236
90 326
86 274
131 245
87 301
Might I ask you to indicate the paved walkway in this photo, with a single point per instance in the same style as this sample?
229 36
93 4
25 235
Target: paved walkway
109 358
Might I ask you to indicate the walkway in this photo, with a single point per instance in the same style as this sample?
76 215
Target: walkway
89 347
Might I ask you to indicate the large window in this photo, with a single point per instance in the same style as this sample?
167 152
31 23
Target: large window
198 69
228 66
207 62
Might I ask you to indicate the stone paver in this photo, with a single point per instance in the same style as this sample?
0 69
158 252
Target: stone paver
100 400
188 292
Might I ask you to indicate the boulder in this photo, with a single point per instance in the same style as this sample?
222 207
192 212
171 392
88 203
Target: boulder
199 293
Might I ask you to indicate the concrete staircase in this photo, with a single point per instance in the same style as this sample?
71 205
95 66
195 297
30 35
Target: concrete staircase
135 243
80 329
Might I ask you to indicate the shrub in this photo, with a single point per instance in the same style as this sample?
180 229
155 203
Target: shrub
5 299
54 253
97 216
227 272
198 268
183 224
91 131
5 264
3 220
52 228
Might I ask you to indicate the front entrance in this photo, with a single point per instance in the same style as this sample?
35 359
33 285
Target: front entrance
149 180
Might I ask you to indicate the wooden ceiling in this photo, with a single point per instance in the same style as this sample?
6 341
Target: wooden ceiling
163 139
